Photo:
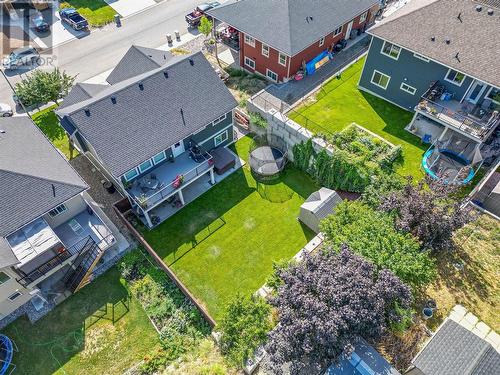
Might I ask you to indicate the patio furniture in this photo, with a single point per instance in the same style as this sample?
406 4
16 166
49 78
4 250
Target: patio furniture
150 183
427 138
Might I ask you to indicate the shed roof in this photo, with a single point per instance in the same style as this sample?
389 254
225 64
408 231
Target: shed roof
322 202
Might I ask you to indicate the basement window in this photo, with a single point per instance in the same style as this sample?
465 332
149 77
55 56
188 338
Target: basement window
15 295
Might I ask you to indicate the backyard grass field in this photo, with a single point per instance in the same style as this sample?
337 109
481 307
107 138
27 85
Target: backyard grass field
340 102
216 260
72 339
97 12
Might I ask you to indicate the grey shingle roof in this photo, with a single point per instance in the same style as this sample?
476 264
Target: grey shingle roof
456 350
136 61
80 92
474 36
31 171
284 24
143 122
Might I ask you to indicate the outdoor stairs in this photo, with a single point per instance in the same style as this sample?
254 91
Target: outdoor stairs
80 272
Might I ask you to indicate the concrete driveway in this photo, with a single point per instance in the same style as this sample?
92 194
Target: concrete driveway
128 7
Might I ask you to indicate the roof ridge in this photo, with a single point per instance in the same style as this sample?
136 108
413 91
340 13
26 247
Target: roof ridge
138 48
44 178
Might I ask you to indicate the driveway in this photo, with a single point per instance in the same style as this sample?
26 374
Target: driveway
127 8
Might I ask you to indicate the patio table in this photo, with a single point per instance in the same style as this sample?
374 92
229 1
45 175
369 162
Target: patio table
150 183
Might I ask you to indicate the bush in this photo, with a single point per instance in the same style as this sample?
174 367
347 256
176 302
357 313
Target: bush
257 119
274 280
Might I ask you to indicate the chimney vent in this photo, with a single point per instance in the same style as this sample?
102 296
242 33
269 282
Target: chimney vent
447 41
191 61
141 86
433 38
479 8
165 73
183 119
113 99
87 111
490 12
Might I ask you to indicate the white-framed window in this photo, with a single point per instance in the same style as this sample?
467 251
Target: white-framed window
322 42
455 77
58 210
4 277
14 295
130 175
362 18
249 62
420 57
380 79
390 50
222 118
265 50
159 157
249 40
271 75
144 166
494 95
282 59
220 138
407 88
337 31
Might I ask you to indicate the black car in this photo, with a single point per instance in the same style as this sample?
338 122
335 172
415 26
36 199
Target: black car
73 18
39 22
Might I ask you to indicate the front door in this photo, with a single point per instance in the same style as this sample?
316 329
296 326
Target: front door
348 31
475 92
178 149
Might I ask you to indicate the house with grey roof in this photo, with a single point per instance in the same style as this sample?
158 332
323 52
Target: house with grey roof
434 58
151 130
51 234
277 38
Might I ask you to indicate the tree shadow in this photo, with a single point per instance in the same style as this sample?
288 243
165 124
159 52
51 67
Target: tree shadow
49 124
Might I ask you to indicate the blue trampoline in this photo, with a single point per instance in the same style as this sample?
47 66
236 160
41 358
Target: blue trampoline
7 348
447 166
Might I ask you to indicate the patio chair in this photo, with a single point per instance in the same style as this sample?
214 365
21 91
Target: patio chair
427 138
152 176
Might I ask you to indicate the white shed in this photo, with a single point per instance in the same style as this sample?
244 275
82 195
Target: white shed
317 206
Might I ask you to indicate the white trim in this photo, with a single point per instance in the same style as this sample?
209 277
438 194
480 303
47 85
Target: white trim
489 92
145 169
212 136
382 74
322 41
472 88
219 119
363 16
454 82
17 294
409 89
270 71
8 277
362 88
160 153
388 54
262 50
279 59
421 57
249 59
250 40
225 135
130 179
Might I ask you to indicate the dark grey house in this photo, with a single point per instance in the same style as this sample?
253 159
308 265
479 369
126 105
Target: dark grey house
434 58
151 130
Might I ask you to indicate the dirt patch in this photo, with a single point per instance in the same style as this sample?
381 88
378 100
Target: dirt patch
12 37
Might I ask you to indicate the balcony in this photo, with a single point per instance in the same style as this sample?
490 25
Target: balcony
164 180
471 120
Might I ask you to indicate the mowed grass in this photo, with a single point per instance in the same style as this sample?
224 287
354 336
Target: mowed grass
477 285
216 260
47 121
97 12
72 340
340 103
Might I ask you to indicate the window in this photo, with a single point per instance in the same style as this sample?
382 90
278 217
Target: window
494 95
14 295
407 88
455 77
282 59
265 50
159 157
249 40
337 31
322 42
130 175
222 118
4 277
362 18
249 62
380 79
420 57
271 75
143 167
222 137
391 50
58 210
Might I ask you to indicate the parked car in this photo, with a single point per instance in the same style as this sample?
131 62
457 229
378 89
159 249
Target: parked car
39 22
21 56
193 18
5 110
73 18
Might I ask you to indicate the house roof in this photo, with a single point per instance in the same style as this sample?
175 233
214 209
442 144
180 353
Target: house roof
136 61
80 92
455 350
289 26
34 176
473 35
150 112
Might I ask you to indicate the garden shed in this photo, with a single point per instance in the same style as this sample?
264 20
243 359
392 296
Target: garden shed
317 206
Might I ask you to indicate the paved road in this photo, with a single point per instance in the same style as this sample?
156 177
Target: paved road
103 48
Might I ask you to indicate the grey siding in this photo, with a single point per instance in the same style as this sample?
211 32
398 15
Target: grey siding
408 69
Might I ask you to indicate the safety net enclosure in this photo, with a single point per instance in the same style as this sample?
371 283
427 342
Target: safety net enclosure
7 348
267 155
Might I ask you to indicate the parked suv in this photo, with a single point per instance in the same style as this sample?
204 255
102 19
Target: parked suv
21 56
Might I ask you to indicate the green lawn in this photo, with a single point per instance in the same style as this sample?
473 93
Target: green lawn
260 226
70 340
47 121
97 12
340 103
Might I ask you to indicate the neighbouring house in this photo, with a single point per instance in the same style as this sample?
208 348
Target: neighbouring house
486 195
52 234
151 129
277 38
461 345
318 206
434 58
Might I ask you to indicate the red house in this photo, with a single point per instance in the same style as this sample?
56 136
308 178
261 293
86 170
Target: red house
277 37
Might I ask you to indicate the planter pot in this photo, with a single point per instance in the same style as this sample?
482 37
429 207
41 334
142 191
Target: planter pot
427 313
431 304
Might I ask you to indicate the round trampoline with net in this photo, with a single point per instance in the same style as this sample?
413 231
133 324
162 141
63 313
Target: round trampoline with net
267 156
7 348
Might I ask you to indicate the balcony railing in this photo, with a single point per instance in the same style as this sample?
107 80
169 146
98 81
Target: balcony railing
81 246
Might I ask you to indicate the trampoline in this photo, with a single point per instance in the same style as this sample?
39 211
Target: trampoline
267 156
7 348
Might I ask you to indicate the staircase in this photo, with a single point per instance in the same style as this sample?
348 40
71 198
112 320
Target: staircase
79 273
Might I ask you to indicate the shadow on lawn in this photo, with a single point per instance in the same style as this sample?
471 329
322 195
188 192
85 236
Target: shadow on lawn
49 124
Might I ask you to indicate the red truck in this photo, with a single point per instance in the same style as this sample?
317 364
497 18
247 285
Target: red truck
193 18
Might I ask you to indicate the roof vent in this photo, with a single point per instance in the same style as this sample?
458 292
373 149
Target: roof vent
191 61
490 12
459 17
113 99
141 86
164 57
479 8
447 41
456 57
87 111
183 119
53 190
433 38
2 131
309 18
165 73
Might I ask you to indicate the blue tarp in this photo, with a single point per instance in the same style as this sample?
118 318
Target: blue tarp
311 66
